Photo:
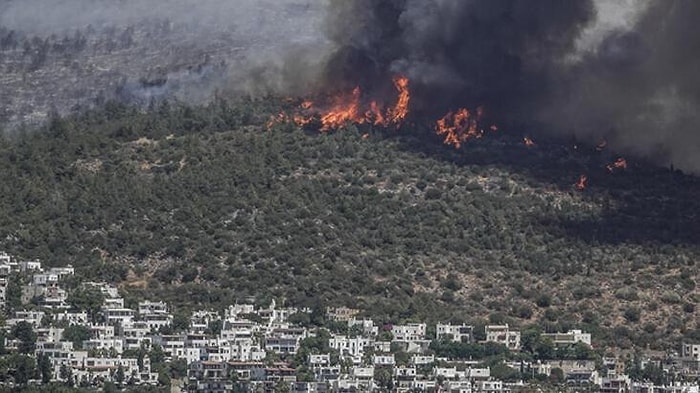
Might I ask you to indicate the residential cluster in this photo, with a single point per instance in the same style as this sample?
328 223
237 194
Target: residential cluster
269 349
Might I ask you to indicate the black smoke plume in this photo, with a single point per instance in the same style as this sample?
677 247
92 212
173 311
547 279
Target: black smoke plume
638 86
499 53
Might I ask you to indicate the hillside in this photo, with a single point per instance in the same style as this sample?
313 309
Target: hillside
204 205
76 55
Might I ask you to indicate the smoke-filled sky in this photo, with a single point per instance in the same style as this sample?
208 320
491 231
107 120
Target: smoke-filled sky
640 87
625 70
273 38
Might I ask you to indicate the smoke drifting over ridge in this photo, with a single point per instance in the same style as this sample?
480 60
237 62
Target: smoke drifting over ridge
640 88
71 54
500 53
565 65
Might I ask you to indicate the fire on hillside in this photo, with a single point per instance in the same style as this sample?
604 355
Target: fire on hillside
456 127
340 110
337 111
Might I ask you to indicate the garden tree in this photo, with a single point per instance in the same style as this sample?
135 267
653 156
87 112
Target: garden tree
479 330
47 320
181 321
215 327
656 374
66 374
282 387
139 354
529 337
401 357
156 355
178 368
304 374
163 378
556 376
300 318
545 349
318 313
22 368
24 332
88 299
271 357
385 335
44 366
13 293
119 375
238 386
501 371
76 334
337 327
651 372
583 351
317 344
384 378
110 387
4 368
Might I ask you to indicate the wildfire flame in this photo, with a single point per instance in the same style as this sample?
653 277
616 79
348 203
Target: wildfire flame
399 112
620 163
458 127
349 109
279 118
375 112
346 110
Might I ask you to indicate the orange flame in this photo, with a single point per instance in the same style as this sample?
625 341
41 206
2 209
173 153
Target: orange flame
301 120
349 109
581 183
375 115
528 142
399 112
278 119
620 163
346 110
458 127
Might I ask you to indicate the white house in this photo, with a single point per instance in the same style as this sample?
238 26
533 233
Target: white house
502 334
409 332
461 333
570 337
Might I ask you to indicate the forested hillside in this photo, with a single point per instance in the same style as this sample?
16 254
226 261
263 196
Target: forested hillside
205 205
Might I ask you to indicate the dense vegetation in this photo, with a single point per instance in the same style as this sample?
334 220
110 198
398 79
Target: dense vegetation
203 206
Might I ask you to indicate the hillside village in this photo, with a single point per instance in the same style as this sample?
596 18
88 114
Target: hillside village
272 348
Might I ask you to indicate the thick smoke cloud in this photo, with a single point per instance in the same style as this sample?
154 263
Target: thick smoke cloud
640 88
622 70
501 53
